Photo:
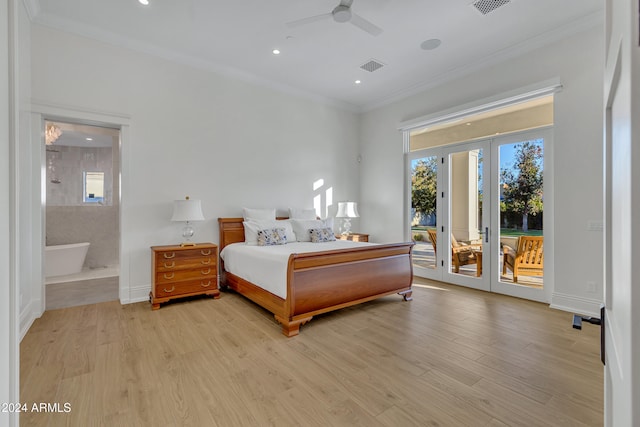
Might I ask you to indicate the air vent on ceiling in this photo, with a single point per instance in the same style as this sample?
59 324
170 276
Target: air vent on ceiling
372 65
487 6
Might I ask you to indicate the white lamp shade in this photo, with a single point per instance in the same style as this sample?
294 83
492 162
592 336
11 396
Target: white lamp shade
187 210
347 210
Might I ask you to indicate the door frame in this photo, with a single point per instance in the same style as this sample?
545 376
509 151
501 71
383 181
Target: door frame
42 112
621 341
491 266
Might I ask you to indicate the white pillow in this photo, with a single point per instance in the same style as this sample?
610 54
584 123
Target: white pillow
328 222
302 213
302 227
252 227
258 214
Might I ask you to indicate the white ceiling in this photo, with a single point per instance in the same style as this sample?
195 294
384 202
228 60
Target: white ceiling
322 59
77 135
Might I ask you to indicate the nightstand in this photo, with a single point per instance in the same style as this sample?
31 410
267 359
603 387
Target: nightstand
356 237
179 272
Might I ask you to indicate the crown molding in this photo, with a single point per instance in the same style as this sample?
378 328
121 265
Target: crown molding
42 18
575 27
91 32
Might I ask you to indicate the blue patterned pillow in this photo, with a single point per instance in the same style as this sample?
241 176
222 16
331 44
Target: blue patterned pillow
319 235
272 236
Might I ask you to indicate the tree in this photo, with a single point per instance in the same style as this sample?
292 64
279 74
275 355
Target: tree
522 184
424 185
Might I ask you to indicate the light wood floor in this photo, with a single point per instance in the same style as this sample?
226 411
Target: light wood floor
451 357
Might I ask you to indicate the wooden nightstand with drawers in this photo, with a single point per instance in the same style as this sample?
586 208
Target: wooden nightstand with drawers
356 237
183 271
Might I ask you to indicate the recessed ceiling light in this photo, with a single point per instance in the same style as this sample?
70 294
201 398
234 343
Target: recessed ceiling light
89 139
358 82
430 44
144 2
276 52
468 124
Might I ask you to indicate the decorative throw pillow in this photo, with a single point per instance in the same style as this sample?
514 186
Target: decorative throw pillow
272 236
319 235
252 227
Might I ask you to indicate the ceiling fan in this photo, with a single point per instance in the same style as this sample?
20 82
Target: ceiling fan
341 13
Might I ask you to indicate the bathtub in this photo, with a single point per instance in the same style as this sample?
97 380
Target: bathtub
62 260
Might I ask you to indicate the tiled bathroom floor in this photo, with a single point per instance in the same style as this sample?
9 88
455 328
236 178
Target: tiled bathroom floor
81 292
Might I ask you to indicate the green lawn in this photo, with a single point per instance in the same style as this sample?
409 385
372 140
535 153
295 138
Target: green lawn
515 233
509 232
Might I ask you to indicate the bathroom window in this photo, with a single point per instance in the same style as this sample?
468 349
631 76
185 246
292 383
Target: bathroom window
93 183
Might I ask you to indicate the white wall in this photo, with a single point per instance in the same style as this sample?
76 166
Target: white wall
193 132
9 92
577 170
6 315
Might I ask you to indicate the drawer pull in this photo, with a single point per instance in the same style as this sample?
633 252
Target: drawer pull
205 252
169 275
169 265
206 261
205 272
173 288
169 255
207 285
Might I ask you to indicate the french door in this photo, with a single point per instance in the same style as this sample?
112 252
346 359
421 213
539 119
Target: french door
449 222
467 215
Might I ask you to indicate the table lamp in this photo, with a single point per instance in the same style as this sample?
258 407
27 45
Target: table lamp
187 210
347 210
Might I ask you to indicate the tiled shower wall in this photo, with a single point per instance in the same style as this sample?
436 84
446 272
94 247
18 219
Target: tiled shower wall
68 219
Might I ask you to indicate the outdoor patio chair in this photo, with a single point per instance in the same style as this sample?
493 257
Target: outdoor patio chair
527 259
460 254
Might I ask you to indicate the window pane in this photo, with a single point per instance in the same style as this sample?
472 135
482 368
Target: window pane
93 187
423 209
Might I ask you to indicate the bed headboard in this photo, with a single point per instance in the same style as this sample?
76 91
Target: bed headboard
232 231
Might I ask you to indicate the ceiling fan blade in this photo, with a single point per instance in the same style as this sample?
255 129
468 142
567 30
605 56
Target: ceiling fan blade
308 20
365 25
346 3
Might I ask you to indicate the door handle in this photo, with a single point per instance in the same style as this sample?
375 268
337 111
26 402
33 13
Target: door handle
486 234
602 335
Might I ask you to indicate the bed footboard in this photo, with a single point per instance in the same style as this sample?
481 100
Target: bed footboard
324 281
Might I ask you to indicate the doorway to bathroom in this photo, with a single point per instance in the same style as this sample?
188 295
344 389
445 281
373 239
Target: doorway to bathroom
82 229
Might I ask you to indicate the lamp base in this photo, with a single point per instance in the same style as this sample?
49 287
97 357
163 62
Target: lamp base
346 225
187 233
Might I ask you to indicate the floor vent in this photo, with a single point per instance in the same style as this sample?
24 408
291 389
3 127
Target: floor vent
372 65
487 6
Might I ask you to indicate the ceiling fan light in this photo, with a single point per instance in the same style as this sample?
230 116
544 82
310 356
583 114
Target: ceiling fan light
342 14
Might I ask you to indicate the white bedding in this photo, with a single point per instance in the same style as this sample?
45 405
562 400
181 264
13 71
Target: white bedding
266 266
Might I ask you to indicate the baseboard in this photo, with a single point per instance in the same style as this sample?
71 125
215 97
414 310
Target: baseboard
576 305
135 294
27 317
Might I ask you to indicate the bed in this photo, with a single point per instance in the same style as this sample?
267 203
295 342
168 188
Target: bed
325 280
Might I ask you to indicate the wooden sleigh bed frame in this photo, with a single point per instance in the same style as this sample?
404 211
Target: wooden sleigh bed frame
324 281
